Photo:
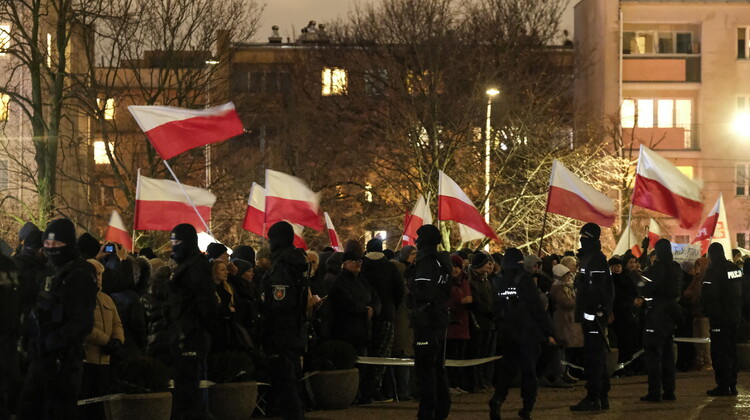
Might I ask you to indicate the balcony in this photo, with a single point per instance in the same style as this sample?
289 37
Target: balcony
675 138
676 68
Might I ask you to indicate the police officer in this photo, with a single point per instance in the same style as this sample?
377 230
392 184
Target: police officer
284 291
595 293
9 329
660 290
524 325
193 310
60 321
721 297
429 291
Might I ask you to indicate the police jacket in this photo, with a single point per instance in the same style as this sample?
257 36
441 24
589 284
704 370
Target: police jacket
284 308
594 291
428 280
64 312
192 306
721 295
350 295
521 314
661 290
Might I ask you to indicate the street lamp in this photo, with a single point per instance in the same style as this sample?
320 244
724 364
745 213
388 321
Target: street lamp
491 93
209 63
742 124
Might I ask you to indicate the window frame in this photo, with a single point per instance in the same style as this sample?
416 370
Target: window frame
331 84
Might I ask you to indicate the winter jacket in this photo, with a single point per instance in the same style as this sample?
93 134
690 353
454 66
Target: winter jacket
521 315
31 273
625 294
107 326
594 291
459 326
429 292
721 294
568 332
483 292
350 295
385 279
403 335
154 302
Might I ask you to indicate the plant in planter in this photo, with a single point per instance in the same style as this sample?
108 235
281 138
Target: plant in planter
335 380
145 384
235 394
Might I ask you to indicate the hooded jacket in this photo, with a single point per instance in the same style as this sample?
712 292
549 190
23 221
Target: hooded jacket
721 294
663 290
384 278
429 285
594 288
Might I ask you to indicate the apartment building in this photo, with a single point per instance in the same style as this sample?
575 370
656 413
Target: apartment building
673 75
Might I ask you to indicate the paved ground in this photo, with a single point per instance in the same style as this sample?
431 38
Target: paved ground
692 403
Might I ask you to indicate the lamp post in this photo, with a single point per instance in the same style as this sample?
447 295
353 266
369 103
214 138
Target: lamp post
491 93
209 63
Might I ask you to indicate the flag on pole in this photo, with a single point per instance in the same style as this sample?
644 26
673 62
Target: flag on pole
628 241
654 232
255 215
715 229
299 241
173 130
335 241
289 198
570 196
661 187
161 205
117 232
454 204
420 215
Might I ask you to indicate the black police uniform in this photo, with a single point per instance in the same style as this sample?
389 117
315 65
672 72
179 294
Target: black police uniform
660 291
284 290
9 331
60 321
193 310
721 297
524 325
594 298
429 291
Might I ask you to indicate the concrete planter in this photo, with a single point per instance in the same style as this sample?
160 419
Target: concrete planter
157 406
233 401
743 356
333 389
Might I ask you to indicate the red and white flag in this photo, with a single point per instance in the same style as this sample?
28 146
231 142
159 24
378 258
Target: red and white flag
661 187
715 229
117 232
173 130
570 196
454 204
420 215
654 232
299 241
628 241
334 237
161 205
255 215
289 198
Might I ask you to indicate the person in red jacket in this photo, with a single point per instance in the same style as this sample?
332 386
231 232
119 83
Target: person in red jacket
458 330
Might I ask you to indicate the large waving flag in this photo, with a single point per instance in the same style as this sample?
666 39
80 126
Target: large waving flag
570 196
715 229
255 215
628 241
161 205
289 198
661 187
454 204
173 130
117 232
654 232
332 235
420 215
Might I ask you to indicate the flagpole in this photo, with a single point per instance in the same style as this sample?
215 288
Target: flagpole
546 206
630 212
190 200
544 226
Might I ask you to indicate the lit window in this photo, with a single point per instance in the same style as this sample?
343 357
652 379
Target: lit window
100 152
368 192
4 107
665 113
686 170
628 113
109 108
4 38
645 113
49 50
334 82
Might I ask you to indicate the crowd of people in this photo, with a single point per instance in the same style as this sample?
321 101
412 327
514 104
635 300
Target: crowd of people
72 307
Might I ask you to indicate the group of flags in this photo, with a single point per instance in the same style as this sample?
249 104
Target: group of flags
161 204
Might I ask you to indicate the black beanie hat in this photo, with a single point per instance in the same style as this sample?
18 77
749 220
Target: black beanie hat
215 250
147 253
591 230
88 245
375 245
242 266
185 232
479 260
61 230
512 260
26 229
614 261
280 235
244 252
716 252
33 240
429 235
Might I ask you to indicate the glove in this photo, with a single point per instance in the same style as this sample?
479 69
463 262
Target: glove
644 244
112 345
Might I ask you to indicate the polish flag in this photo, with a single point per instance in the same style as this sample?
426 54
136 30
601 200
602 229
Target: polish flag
570 196
335 241
161 205
628 241
173 130
117 232
454 204
255 217
289 198
715 229
420 215
654 232
661 187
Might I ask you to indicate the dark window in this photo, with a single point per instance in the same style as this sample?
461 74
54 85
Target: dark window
3 175
684 43
741 42
256 81
741 179
375 81
741 240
